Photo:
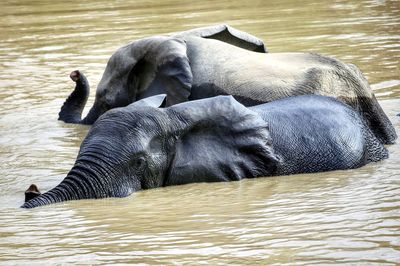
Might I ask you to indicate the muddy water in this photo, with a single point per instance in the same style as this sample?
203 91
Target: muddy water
337 217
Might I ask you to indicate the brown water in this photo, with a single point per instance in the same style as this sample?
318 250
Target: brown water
341 217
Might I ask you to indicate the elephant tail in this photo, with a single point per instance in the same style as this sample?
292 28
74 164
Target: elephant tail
71 111
372 111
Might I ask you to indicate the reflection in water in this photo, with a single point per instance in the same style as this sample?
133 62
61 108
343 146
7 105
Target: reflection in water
337 217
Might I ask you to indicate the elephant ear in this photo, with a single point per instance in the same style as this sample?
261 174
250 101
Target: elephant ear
223 141
230 35
173 70
152 66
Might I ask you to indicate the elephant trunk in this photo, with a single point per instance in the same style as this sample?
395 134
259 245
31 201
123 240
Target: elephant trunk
71 111
58 194
77 185
92 116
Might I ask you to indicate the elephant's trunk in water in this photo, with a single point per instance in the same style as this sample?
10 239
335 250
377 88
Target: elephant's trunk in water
71 111
58 194
73 187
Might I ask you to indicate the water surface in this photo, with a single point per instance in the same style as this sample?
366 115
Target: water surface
341 217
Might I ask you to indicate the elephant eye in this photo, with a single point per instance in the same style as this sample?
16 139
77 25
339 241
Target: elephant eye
138 163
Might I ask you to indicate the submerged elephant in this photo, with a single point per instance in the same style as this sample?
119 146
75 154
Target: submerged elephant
210 140
220 60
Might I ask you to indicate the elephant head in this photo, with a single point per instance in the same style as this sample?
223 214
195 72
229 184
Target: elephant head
145 68
142 147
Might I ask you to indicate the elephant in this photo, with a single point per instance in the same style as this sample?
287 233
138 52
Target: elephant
221 60
142 146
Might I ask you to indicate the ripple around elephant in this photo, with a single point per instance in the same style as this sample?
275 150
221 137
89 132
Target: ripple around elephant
221 60
216 139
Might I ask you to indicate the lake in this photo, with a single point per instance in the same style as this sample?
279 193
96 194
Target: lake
341 217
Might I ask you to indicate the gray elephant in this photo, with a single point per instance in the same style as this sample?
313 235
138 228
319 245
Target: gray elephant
211 140
220 60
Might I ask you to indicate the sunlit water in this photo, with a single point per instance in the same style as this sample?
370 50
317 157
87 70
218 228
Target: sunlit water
337 217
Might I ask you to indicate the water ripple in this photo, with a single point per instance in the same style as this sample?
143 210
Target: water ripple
341 217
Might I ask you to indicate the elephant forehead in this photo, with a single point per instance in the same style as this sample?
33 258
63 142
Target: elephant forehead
123 122
117 138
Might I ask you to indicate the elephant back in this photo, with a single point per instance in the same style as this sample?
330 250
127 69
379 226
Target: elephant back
314 133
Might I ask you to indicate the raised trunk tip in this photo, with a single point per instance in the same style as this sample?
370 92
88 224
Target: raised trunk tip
71 111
